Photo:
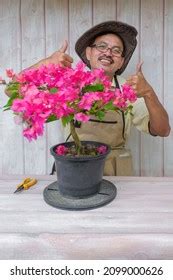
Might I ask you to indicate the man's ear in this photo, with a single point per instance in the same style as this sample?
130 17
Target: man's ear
88 53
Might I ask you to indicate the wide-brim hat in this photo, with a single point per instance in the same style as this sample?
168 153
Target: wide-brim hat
126 32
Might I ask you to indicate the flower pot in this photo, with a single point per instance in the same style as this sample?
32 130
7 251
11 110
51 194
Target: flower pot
79 176
79 180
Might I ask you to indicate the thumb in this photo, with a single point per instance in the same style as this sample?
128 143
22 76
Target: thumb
139 68
64 47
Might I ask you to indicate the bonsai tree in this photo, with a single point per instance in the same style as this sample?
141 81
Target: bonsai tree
51 92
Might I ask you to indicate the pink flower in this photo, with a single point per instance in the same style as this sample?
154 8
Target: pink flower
88 100
128 93
81 117
10 73
61 150
31 133
102 149
63 93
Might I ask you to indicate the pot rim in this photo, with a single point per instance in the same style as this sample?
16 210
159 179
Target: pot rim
80 158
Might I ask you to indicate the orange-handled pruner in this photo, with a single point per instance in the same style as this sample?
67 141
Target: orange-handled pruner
26 184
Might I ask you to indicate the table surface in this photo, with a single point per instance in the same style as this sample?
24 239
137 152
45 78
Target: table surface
138 224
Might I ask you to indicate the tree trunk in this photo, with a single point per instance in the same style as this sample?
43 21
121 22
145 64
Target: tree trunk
75 137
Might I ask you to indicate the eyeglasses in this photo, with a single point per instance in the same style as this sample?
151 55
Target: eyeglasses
103 47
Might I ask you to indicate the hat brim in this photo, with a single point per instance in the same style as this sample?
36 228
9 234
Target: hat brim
106 194
126 32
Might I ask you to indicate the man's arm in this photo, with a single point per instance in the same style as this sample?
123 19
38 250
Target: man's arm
159 120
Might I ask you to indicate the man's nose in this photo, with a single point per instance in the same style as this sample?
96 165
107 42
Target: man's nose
108 50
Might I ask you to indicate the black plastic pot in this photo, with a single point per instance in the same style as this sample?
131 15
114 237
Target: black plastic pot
79 184
79 176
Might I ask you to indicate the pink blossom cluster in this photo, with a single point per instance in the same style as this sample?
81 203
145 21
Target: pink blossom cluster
61 150
62 92
102 149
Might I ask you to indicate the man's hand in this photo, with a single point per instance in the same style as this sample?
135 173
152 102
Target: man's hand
158 117
60 57
138 82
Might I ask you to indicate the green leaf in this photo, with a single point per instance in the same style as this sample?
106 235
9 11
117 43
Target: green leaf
9 103
51 118
6 109
66 120
93 88
129 110
53 90
13 86
130 107
100 115
109 106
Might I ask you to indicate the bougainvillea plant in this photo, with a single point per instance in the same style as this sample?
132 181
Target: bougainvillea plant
51 92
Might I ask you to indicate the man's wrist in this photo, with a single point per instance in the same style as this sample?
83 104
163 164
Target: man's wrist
149 94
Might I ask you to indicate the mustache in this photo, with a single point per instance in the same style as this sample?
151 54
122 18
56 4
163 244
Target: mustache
106 57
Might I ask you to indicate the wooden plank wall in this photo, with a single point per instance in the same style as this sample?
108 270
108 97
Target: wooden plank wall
33 29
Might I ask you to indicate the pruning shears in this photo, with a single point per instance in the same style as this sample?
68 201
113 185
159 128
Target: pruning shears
26 184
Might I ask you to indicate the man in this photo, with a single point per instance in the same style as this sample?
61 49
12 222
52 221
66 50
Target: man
110 45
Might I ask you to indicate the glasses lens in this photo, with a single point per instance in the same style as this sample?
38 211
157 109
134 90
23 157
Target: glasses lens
101 47
116 51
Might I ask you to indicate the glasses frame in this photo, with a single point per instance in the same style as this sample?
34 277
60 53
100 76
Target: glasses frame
107 48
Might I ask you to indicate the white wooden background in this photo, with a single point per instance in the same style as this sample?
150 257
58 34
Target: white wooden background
33 29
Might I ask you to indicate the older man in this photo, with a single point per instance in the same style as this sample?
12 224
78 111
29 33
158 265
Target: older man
110 45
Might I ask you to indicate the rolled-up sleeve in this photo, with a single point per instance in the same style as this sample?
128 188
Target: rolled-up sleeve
140 117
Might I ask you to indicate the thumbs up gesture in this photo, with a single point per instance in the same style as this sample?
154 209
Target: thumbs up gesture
138 82
60 57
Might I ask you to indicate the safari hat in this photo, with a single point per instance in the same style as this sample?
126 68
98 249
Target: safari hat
126 32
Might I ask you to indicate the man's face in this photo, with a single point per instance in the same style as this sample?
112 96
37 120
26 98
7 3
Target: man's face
103 57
